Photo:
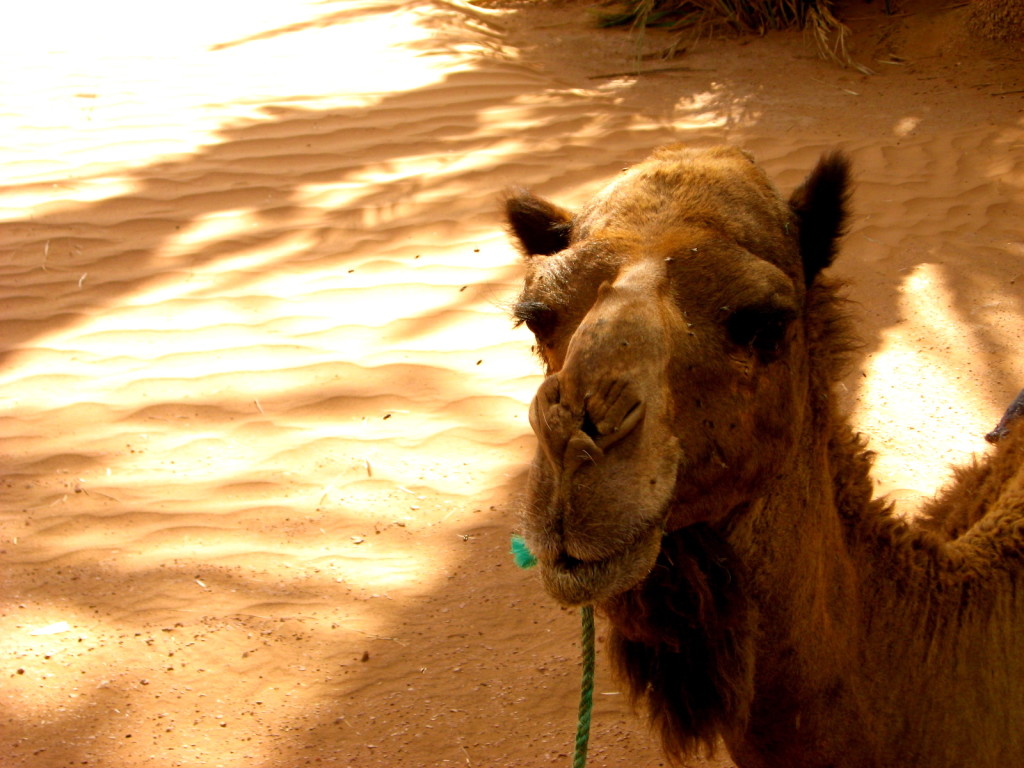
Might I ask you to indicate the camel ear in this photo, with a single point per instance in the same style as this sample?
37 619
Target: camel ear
540 226
820 207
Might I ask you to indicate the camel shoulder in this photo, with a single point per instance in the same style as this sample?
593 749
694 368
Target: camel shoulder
986 495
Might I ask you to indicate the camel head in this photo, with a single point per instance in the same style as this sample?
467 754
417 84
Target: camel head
670 315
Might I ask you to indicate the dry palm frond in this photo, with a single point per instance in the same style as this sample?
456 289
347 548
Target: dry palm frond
830 35
742 15
757 16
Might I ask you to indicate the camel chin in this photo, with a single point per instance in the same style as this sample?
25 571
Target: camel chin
575 582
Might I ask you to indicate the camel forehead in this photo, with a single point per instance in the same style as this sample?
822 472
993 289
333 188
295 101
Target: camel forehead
681 166
711 214
689 263
680 196
699 163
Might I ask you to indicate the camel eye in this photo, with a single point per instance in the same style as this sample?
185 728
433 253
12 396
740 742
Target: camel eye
537 316
760 328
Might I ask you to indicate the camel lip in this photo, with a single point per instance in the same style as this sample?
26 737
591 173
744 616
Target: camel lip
573 582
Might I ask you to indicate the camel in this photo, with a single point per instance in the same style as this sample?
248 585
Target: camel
696 481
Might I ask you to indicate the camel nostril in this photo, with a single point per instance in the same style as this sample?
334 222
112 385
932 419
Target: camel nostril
632 417
589 428
610 412
627 420
609 425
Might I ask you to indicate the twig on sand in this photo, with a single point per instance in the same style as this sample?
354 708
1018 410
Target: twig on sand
653 71
381 637
668 53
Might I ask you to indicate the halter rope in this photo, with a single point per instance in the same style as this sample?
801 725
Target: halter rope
524 558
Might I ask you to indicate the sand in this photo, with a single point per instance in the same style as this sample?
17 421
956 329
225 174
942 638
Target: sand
263 413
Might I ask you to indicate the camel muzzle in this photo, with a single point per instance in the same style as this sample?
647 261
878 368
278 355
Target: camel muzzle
577 430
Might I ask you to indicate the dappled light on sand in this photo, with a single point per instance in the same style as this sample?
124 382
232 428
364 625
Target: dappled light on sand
935 348
94 99
263 412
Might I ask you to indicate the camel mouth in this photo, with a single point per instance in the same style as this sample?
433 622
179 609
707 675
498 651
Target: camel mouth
573 582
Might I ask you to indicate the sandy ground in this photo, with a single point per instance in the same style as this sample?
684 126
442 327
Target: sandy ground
263 414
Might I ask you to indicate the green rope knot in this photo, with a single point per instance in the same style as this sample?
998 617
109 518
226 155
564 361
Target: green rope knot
524 558
521 553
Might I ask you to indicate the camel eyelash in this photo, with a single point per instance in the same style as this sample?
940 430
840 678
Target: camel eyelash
535 315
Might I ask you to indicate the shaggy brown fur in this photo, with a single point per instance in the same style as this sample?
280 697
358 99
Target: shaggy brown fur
685 632
694 480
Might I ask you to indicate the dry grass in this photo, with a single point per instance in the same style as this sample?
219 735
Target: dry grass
740 15
758 16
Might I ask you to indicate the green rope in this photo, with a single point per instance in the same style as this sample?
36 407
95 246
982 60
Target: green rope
524 558
579 759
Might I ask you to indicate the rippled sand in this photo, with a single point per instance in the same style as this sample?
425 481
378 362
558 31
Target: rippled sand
263 413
